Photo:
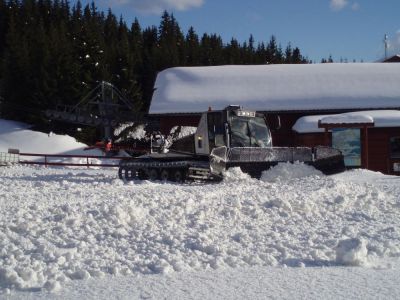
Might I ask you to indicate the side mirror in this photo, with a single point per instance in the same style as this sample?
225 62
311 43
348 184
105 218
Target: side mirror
227 137
279 122
273 123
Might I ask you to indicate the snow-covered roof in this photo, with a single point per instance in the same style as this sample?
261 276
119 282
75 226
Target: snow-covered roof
351 118
394 58
380 118
278 87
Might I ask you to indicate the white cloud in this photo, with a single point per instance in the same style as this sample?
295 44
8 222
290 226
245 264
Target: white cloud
158 6
338 4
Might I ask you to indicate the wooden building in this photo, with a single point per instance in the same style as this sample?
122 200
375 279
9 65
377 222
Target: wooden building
285 94
368 139
393 59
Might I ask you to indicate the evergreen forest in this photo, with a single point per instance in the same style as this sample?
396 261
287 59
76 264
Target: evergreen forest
52 53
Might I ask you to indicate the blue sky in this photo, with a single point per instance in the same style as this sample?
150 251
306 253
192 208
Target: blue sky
351 29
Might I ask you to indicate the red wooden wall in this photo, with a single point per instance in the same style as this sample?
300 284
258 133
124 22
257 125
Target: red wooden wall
379 156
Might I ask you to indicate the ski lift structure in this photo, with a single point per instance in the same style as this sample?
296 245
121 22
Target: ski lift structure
104 106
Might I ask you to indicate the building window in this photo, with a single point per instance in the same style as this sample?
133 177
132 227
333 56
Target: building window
395 147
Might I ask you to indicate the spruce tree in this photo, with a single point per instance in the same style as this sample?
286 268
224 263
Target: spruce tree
288 54
149 68
192 48
15 81
233 54
51 54
170 41
3 30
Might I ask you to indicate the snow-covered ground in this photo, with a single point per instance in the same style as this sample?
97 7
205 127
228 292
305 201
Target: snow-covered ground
83 233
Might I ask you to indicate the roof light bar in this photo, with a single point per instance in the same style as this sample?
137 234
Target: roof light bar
245 113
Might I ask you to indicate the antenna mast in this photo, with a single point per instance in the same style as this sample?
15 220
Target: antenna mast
385 41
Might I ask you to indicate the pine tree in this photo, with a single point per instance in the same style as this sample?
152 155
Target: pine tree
249 51
288 54
126 78
233 54
149 69
92 49
51 54
136 45
192 48
297 58
271 51
261 54
171 42
211 50
15 88
135 37
3 30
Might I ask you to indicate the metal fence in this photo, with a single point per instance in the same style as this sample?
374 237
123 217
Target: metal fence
59 159
8 158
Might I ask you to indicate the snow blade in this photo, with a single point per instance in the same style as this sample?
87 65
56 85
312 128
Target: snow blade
256 160
328 160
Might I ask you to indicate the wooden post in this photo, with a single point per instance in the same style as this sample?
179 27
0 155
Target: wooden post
326 137
366 146
326 133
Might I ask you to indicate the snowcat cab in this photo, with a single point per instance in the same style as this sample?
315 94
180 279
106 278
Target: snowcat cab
231 127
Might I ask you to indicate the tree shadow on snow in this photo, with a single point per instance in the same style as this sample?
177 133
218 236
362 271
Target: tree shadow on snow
295 262
71 178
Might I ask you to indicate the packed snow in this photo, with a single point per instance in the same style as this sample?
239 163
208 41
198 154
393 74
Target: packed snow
295 233
380 118
134 131
17 135
182 131
278 87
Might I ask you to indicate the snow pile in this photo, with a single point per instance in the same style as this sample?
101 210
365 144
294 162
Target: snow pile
183 131
138 133
178 132
131 130
236 175
288 171
58 226
352 252
17 135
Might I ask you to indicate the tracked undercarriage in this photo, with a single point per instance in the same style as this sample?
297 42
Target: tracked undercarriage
166 166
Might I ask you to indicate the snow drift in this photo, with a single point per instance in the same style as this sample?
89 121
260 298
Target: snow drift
58 225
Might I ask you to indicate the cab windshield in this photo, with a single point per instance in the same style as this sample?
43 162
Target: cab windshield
249 132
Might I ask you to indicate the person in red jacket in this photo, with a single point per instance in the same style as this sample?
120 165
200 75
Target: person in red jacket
108 146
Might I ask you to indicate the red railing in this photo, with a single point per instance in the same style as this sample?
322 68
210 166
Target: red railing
88 162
